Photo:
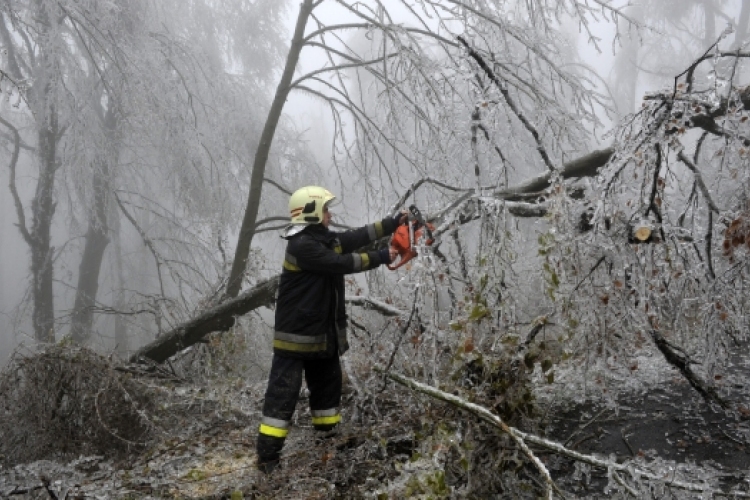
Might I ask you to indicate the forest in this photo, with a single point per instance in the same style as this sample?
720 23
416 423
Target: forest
575 328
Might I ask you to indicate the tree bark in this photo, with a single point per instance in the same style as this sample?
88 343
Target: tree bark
247 231
96 240
585 166
41 99
219 318
43 210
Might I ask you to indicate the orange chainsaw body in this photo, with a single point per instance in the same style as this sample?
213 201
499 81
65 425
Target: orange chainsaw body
402 242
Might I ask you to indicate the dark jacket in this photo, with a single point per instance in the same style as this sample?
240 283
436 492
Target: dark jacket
310 312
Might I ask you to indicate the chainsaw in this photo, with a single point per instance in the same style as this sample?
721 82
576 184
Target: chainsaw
405 239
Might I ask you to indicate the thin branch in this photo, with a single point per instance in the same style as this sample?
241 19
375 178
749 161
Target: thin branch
382 307
403 331
12 183
146 241
339 67
390 29
415 185
277 186
698 179
522 437
336 27
511 103
361 117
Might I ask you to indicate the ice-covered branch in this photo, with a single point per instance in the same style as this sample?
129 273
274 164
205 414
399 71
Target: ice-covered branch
522 438
386 309
511 103
698 180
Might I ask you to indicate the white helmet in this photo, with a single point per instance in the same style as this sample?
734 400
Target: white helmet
306 204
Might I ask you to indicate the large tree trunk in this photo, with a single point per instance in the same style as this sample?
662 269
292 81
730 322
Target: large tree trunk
219 318
122 342
43 210
41 98
96 240
247 231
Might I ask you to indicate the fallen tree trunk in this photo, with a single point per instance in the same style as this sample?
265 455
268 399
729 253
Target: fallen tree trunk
682 363
585 166
219 318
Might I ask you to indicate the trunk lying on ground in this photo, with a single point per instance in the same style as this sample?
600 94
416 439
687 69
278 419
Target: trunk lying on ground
219 318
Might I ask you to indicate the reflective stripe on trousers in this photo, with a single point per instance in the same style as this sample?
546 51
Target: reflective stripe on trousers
323 377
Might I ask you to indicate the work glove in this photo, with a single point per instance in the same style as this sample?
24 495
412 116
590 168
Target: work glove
385 255
400 218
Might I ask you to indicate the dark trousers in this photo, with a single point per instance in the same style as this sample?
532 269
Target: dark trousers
323 377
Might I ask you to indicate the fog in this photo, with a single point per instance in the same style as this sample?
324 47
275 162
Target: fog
189 87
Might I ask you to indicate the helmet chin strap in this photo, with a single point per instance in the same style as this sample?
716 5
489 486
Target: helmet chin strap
292 229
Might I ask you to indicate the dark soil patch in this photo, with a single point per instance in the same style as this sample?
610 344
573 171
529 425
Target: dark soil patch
670 422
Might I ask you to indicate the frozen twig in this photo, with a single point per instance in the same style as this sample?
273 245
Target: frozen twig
522 438
511 103
698 180
385 309
482 413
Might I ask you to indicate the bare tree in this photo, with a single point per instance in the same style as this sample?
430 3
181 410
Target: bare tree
129 103
416 65
37 68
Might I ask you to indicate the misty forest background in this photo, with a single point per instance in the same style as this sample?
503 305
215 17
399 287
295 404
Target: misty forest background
584 162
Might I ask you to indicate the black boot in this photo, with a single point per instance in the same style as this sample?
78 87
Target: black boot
266 466
269 452
324 433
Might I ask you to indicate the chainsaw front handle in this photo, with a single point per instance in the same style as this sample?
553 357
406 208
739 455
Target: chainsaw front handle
404 239
404 258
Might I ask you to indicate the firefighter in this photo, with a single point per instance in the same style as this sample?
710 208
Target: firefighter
310 322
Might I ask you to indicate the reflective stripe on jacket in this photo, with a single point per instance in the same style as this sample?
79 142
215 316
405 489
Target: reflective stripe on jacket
310 312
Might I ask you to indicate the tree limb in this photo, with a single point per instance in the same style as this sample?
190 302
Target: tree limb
585 166
511 103
12 183
217 318
522 438
382 307
698 179
146 241
682 363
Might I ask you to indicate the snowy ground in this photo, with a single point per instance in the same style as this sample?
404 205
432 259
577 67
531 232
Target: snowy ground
659 421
